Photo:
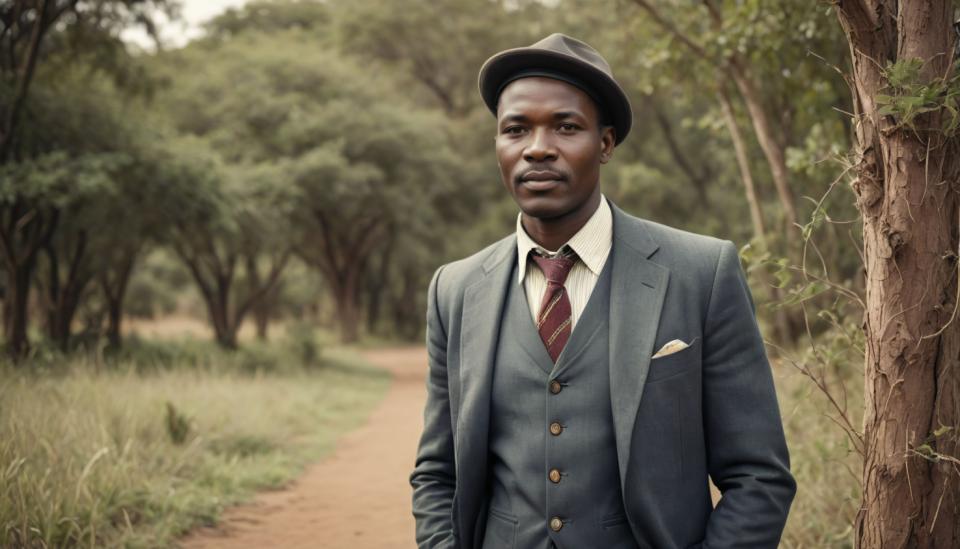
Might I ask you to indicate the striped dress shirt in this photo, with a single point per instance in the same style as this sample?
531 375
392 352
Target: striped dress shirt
592 245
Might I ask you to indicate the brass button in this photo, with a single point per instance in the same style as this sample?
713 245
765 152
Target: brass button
555 387
556 524
555 428
554 476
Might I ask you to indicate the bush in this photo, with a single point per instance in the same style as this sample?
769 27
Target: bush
304 343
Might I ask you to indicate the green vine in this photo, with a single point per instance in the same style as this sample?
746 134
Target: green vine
910 96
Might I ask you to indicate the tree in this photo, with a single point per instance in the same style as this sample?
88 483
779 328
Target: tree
905 84
222 228
357 161
26 32
36 182
441 60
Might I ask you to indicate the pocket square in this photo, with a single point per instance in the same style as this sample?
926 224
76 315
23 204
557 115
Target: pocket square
671 347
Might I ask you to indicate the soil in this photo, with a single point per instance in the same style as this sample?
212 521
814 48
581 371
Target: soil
358 497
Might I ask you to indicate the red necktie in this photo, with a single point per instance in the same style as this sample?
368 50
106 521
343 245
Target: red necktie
554 322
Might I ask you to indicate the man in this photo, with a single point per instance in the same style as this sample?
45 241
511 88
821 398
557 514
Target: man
588 373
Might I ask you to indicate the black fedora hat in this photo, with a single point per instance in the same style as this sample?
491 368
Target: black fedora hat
562 57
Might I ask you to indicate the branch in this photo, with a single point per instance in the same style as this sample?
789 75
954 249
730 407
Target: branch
26 75
678 155
715 13
263 289
672 29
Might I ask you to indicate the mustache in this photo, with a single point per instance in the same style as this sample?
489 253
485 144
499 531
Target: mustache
533 168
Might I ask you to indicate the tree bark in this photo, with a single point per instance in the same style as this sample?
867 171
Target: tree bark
907 191
263 302
23 232
743 163
114 290
15 307
64 295
261 319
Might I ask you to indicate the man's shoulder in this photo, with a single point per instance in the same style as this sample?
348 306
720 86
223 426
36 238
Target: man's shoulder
666 235
674 246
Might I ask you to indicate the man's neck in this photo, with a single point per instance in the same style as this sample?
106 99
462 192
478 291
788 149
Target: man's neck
553 233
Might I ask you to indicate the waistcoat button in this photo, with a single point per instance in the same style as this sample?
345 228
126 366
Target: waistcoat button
556 524
556 428
554 476
555 387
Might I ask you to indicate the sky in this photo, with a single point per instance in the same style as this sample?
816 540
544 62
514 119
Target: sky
194 14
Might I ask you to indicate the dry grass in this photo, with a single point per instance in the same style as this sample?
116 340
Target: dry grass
823 461
87 459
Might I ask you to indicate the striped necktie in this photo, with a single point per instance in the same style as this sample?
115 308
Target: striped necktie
554 321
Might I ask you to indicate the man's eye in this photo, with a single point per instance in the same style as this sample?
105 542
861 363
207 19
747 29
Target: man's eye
515 130
568 127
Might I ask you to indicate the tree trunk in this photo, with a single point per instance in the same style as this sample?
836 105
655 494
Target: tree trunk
115 291
377 284
348 312
343 258
15 308
906 187
773 151
63 296
114 322
783 325
224 334
24 230
261 319
743 163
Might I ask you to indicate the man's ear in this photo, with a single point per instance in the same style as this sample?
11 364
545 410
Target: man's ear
608 140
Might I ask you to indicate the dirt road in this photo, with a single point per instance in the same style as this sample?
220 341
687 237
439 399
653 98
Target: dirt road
358 498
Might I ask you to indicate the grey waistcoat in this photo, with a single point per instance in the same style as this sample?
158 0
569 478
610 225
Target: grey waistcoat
523 499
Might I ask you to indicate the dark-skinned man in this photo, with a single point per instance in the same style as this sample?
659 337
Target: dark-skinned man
590 372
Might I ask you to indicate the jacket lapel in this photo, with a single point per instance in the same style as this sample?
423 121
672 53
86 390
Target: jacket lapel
483 304
637 290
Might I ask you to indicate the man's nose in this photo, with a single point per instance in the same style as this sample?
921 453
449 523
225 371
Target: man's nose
540 147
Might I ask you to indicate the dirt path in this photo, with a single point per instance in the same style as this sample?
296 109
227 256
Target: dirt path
358 498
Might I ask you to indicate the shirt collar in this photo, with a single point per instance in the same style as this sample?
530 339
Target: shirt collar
591 243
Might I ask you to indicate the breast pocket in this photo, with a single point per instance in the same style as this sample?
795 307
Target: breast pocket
675 364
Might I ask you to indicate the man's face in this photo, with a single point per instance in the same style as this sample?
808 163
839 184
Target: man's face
550 146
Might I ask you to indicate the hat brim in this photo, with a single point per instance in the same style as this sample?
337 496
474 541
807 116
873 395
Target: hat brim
503 65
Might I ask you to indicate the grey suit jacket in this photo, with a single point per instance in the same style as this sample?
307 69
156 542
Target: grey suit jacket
709 409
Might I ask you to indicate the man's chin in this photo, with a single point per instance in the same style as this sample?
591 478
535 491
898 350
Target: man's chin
542 207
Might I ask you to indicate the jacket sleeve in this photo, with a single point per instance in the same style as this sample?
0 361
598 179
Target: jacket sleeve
434 475
746 450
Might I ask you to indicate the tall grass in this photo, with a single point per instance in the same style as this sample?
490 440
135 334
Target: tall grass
823 459
132 451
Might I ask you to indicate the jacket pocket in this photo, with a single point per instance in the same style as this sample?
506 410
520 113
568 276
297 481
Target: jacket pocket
675 364
501 530
613 521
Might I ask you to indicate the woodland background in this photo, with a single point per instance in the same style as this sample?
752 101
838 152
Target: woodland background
183 228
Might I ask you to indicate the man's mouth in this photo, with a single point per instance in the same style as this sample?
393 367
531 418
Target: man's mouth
540 180
540 175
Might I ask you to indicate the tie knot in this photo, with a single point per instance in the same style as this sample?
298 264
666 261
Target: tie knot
556 268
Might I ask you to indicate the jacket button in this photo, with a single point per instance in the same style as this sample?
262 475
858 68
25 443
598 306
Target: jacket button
556 524
555 387
554 476
556 428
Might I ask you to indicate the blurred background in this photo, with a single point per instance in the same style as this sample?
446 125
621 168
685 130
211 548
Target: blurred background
209 210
